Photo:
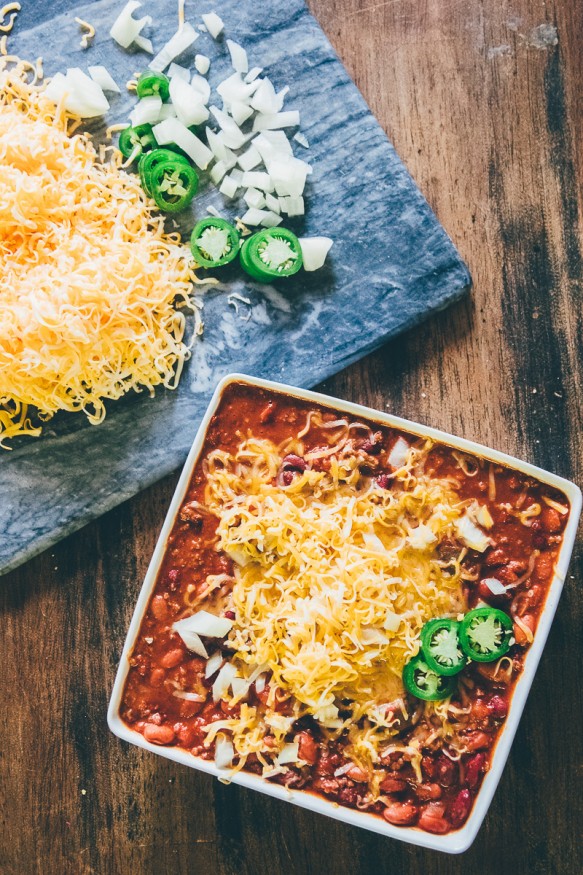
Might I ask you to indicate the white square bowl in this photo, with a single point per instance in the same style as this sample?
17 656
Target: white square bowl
453 842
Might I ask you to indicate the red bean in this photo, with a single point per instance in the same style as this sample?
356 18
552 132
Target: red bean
433 823
401 813
446 772
172 658
498 707
157 677
474 767
307 748
159 734
460 807
551 520
478 741
383 481
520 635
390 784
159 607
543 567
427 792
358 775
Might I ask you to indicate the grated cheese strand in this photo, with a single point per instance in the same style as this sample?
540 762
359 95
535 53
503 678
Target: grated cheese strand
89 280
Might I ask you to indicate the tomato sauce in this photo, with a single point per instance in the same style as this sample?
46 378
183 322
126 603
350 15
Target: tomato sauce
522 556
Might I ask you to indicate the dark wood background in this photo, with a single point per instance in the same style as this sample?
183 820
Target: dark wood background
486 112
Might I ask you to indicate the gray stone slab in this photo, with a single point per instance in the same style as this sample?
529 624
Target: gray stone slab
391 266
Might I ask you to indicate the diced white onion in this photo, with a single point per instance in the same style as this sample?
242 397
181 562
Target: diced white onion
471 535
191 639
271 220
223 681
187 103
279 141
189 697
145 44
217 146
272 203
254 216
104 79
265 100
240 111
240 687
373 636
166 111
238 56
277 120
177 70
233 88
208 624
260 683
200 84
495 586
254 198
289 753
258 179
253 74
146 110
392 622
289 175
249 159
125 28
235 138
484 517
303 141
224 753
213 211
172 130
202 64
82 96
214 663
399 453
213 23
182 40
421 537
218 171
293 206
229 187
237 174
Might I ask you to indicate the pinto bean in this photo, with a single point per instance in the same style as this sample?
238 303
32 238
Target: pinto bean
172 658
474 767
498 707
355 773
460 807
307 748
159 607
427 792
159 734
519 633
401 813
478 740
433 823
393 785
157 677
543 567
551 520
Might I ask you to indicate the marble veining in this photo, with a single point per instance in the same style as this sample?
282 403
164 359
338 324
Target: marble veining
391 266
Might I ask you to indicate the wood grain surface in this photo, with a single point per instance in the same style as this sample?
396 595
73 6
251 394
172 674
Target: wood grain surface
483 101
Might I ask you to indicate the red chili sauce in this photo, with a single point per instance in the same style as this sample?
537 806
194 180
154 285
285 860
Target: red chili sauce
522 555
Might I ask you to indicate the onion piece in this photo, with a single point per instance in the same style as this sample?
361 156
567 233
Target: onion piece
254 216
314 252
260 683
182 40
233 88
187 103
293 206
240 687
471 535
172 130
189 697
249 159
240 111
289 175
289 753
177 70
271 220
265 100
238 56
399 453
80 94
391 622
253 74
495 586
146 111
104 79
223 681
277 120
303 141
224 752
272 203
217 146
235 138
125 28
144 44
210 625
166 111
258 179
214 663
254 198
200 84
218 171
191 639
213 23
229 187
202 64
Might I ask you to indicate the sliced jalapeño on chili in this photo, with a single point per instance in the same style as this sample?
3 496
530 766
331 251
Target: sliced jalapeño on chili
214 242
424 683
271 254
440 644
134 141
150 160
173 184
152 84
486 634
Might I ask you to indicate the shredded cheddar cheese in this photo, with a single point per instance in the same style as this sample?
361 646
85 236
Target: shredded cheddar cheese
89 280
334 578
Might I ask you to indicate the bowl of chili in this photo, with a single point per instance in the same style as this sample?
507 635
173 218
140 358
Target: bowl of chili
203 681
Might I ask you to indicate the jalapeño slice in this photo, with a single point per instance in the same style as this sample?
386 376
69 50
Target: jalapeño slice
441 646
485 634
173 184
424 683
214 242
271 254
151 84
134 141
150 160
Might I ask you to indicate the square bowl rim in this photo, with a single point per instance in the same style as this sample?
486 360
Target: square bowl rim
454 842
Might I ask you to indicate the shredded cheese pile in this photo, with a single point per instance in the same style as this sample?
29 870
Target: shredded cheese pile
334 579
89 280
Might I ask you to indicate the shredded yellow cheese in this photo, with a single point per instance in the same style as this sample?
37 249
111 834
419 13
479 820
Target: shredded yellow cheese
334 578
88 34
89 280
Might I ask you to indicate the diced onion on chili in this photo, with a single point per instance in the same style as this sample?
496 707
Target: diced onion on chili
190 638
495 586
289 753
214 663
224 753
472 535
223 681
399 453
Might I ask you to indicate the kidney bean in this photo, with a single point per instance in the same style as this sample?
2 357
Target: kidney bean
433 823
159 734
478 741
327 764
159 607
460 807
479 710
474 766
383 481
357 774
427 792
543 567
489 597
307 747
172 658
393 785
498 707
551 520
496 557
401 813
446 772
294 463
348 796
230 615
188 735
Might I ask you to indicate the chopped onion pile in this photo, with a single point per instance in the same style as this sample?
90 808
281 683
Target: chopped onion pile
126 29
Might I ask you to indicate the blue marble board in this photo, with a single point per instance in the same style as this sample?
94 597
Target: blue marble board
391 265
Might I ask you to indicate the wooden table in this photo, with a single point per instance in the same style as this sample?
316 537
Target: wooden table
483 101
